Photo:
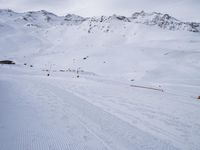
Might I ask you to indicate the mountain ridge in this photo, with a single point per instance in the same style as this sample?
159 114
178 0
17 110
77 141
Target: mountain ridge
37 18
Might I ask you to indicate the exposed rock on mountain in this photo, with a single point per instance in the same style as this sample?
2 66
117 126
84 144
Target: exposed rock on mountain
164 21
46 19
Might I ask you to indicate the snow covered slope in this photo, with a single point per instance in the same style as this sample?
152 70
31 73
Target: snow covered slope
115 82
42 38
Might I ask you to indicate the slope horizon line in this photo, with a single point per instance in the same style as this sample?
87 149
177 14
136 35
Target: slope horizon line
114 14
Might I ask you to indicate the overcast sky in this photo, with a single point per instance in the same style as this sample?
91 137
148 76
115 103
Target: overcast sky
182 9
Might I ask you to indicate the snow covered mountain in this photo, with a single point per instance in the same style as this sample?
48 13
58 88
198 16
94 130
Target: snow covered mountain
47 38
40 18
65 40
164 21
107 82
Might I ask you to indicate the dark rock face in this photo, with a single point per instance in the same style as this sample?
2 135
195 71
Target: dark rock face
72 17
122 18
8 62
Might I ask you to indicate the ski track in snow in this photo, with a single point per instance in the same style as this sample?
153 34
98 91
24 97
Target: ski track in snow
174 118
41 113
47 117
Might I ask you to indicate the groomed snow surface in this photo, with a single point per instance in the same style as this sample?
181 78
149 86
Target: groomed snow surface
134 87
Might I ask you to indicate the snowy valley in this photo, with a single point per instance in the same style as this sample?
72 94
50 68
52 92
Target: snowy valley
105 82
